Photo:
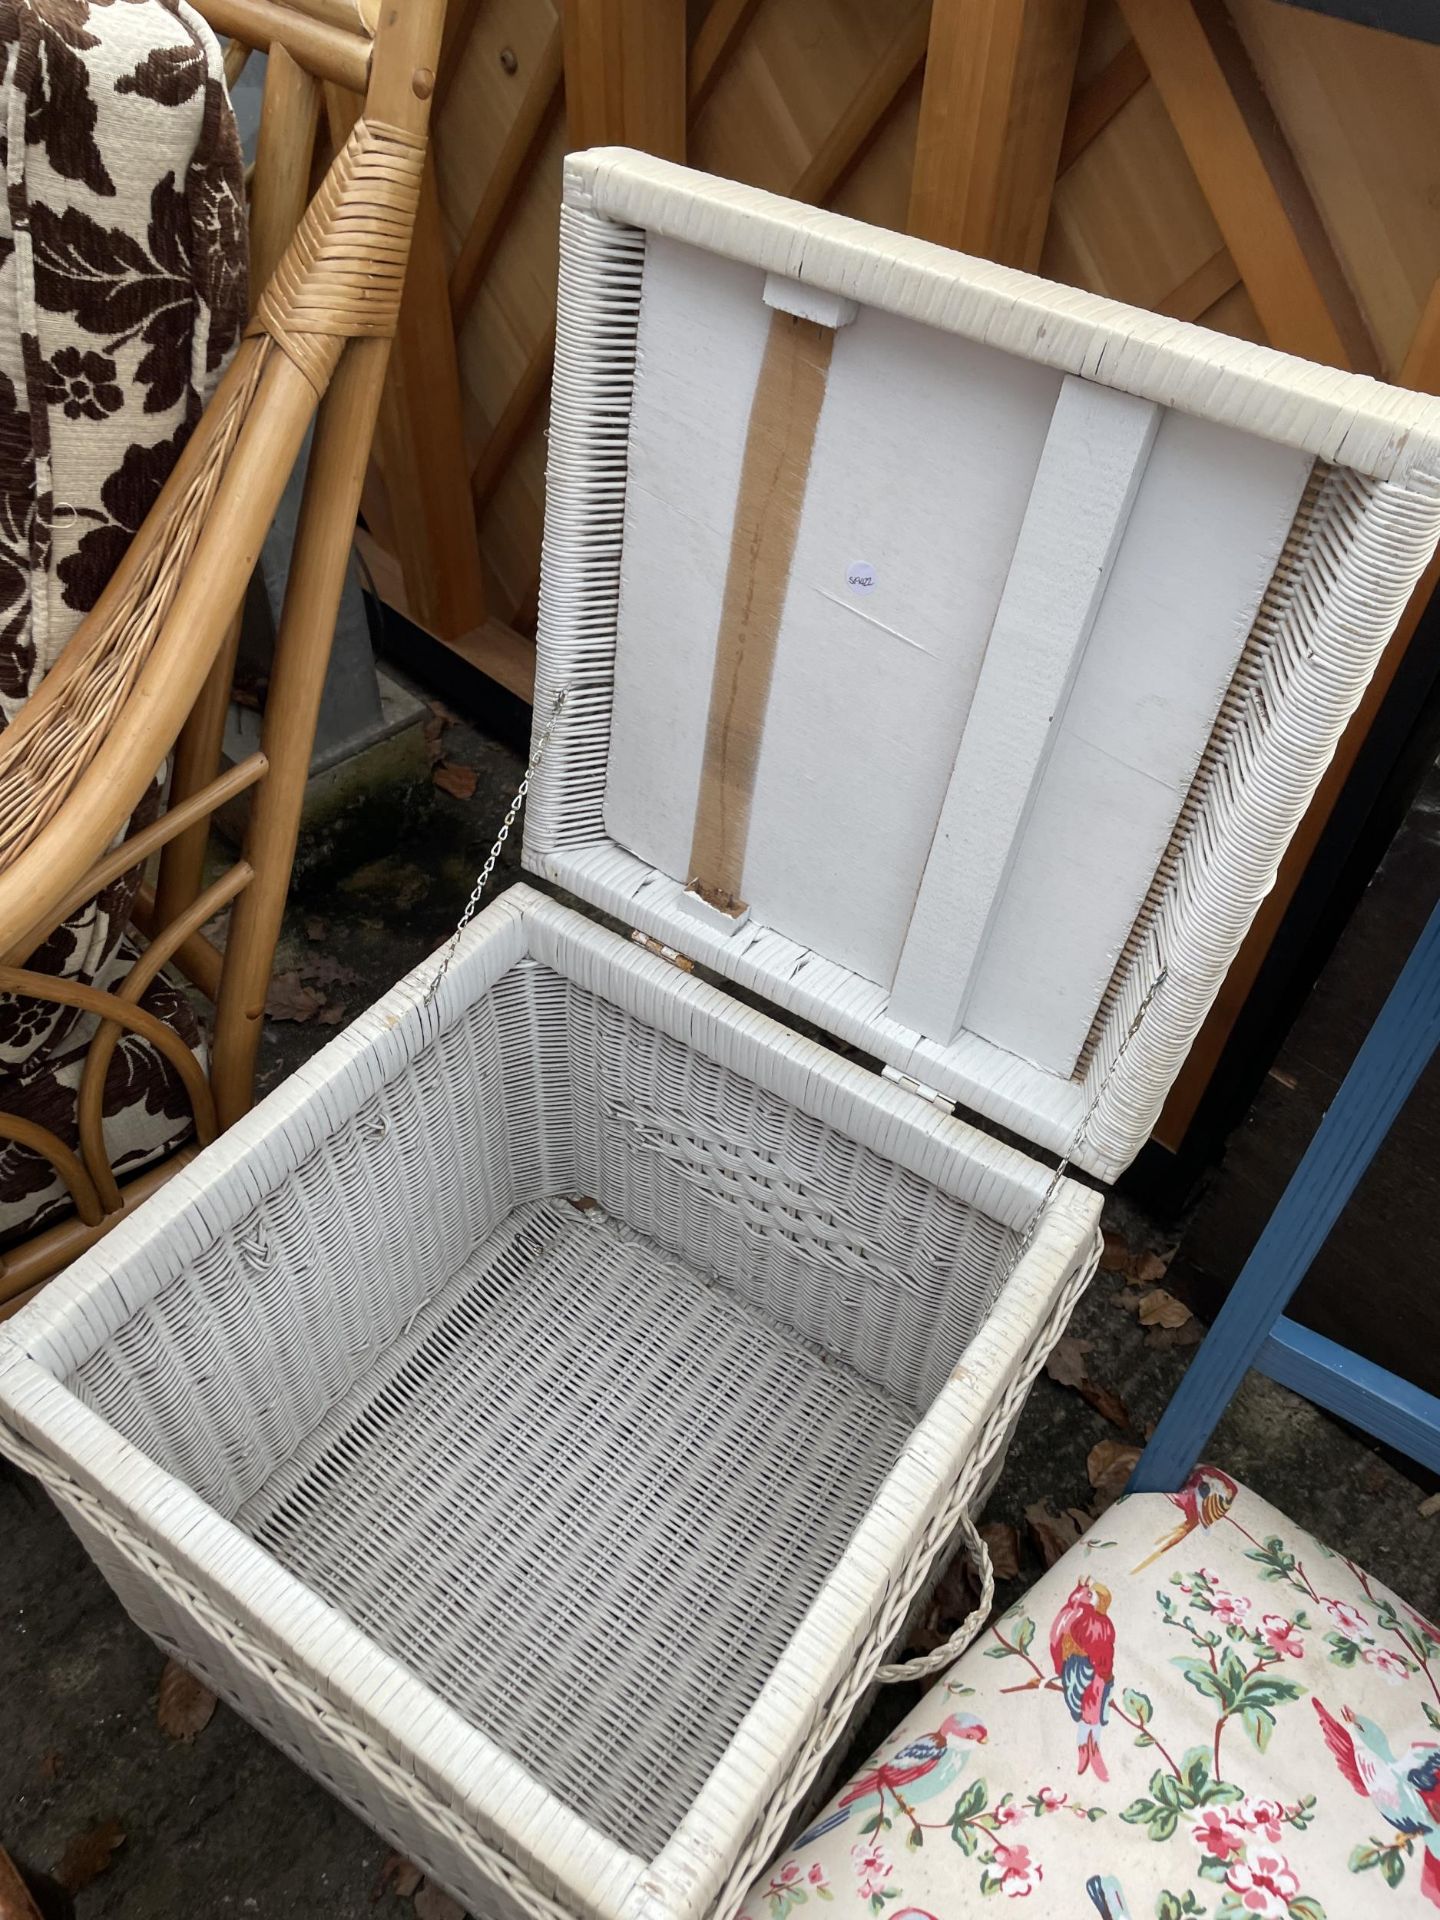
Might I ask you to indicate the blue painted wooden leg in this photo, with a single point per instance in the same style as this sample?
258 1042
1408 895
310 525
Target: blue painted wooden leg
1395 1052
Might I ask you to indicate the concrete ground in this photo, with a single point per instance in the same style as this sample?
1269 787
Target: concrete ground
222 1824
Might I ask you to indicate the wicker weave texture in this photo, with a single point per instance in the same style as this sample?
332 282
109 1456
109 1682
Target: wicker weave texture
561 1541
586 1497
543 1088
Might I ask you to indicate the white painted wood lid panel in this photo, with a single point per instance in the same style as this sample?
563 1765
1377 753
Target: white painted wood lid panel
1012 606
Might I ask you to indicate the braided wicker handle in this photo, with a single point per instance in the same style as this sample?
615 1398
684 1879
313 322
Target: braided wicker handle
924 1664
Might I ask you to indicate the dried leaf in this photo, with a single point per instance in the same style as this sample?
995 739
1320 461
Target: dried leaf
1107 1403
455 779
1189 1334
1161 1309
1428 1509
50 1765
1003 1542
1108 1466
331 1014
186 1705
1066 1365
1055 1533
398 1876
325 972
1148 1269
290 999
89 1855
432 1904
15 1900
1126 1301
955 1597
441 714
315 928
1115 1255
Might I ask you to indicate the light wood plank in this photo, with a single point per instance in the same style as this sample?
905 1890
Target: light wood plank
1199 291
460 18
1256 191
862 119
625 74
720 32
1360 110
1090 470
1096 104
509 429
998 77
1129 219
419 445
528 130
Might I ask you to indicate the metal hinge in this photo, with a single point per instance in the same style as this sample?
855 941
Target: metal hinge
661 951
911 1085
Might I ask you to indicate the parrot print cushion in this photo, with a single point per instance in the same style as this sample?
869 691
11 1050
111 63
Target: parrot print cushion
1200 1713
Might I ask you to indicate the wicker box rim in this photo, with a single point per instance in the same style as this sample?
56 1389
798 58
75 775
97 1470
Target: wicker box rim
457 1765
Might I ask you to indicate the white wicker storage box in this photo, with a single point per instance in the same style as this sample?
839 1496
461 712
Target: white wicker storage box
542 1413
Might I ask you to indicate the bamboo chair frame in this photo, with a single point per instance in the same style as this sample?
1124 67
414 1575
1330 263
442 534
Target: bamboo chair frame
148 671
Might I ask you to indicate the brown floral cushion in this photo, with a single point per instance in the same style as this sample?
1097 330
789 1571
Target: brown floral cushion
122 291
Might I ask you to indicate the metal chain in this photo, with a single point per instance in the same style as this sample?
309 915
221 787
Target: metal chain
1077 1138
482 879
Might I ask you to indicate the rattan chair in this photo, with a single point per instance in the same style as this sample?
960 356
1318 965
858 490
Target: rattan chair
147 673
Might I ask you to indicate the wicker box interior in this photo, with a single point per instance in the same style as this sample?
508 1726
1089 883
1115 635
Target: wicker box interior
565 1369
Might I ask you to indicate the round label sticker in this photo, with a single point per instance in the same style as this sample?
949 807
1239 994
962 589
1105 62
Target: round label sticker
860 577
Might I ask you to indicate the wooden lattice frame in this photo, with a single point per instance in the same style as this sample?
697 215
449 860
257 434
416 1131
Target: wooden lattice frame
149 669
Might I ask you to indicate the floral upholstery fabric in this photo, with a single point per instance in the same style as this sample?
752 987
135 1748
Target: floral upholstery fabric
122 290
1199 1711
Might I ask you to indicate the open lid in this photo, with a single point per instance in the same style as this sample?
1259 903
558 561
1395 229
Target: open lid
949 655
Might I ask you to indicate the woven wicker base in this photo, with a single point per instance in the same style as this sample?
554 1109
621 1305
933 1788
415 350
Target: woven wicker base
586 1497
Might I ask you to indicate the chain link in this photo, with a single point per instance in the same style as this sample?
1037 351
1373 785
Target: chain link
1077 1138
482 879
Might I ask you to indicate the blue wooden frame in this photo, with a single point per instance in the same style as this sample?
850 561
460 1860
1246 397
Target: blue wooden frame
1251 1329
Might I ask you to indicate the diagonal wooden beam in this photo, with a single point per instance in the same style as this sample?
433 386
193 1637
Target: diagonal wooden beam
865 115
625 74
1245 168
1096 104
531 125
720 33
508 431
419 442
998 79
1199 291
459 20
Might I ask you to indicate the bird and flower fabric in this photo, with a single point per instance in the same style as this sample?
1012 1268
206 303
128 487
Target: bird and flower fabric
1200 1713
122 291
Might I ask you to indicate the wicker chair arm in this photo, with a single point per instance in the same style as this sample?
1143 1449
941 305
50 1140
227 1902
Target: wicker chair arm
84 749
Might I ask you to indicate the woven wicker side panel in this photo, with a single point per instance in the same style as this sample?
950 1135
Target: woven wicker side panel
1336 596
268 1692
230 1366
874 1265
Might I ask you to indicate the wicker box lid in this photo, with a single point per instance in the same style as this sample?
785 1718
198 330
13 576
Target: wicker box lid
948 655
